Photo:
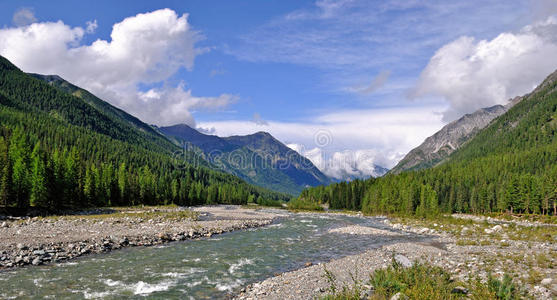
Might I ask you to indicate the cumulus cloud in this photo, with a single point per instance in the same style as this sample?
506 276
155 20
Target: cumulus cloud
24 16
144 49
168 106
470 74
91 26
344 165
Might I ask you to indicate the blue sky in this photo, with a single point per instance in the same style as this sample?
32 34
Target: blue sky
372 78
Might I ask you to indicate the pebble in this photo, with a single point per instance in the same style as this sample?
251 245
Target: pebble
399 296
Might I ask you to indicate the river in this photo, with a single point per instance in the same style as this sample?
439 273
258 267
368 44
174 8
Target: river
203 269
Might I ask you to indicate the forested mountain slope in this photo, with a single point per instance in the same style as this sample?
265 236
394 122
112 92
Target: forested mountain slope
511 165
58 151
117 115
258 158
451 137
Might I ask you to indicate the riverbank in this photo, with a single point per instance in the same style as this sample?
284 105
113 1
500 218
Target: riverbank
37 241
467 248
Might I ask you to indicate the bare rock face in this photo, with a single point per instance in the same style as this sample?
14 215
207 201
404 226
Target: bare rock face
436 148
451 137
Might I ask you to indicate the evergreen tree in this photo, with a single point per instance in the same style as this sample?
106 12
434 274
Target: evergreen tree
39 190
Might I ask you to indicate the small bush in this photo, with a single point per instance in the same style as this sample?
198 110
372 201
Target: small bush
424 281
417 282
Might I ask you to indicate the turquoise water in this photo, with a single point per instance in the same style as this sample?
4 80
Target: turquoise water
203 269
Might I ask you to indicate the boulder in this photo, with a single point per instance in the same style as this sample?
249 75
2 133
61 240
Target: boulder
403 261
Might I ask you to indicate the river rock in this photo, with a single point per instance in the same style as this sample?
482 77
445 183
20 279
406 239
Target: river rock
39 252
546 281
460 290
163 236
399 296
36 261
493 229
20 246
403 261
4 225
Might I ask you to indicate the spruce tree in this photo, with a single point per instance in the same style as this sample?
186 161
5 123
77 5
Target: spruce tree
39 192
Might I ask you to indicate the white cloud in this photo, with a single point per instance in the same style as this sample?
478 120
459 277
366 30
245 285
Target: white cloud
144 49
258 120
376 83
24 16
470 74
343 165
169 106
91 26
349 39
390 132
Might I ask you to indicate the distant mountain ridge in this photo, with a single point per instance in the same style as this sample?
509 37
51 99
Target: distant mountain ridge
258 158
436 148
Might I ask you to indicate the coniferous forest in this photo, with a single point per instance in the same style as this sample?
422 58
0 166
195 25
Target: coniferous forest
510 166
58 152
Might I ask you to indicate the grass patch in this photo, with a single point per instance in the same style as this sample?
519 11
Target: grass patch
163 213
423 281
465 242
302 204
269 202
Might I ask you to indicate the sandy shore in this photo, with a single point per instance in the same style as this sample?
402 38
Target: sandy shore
36 241
446 250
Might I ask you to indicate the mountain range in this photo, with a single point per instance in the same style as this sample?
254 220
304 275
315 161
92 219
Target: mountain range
438 147
258 158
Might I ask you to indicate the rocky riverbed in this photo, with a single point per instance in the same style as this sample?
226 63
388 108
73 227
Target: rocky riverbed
37 241
470 250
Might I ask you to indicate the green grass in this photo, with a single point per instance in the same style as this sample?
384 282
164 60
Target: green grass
424 281
300 204
270 203
161 212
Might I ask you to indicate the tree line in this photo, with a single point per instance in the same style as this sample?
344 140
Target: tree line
31 176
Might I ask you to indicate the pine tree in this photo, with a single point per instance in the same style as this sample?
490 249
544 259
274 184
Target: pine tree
20 168
122 182
39 192
4 173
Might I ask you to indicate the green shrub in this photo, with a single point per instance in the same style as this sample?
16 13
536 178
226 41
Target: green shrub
424 281
302 204
503 289
269 202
